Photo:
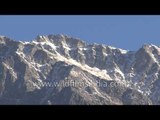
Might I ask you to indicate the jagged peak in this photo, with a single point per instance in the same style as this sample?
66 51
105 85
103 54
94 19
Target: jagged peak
73 42
150 47
61 39
6 40
54 36
2 38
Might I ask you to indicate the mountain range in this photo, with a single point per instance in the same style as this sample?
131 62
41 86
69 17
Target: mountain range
62 70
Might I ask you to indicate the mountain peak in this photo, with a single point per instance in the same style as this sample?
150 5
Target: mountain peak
6 40
61 40
151 48
1 36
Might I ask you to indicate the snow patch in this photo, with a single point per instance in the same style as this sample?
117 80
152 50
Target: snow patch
94 71
113 48
11 70
123 51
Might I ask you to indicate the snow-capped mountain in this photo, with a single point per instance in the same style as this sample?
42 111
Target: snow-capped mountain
58 69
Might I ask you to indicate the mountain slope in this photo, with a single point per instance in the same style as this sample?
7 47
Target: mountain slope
58 69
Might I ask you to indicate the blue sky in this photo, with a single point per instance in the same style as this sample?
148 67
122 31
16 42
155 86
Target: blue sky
126 32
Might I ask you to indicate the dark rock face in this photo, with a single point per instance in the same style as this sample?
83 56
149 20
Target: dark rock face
58 69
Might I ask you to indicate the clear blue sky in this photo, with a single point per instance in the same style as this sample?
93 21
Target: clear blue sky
126 32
